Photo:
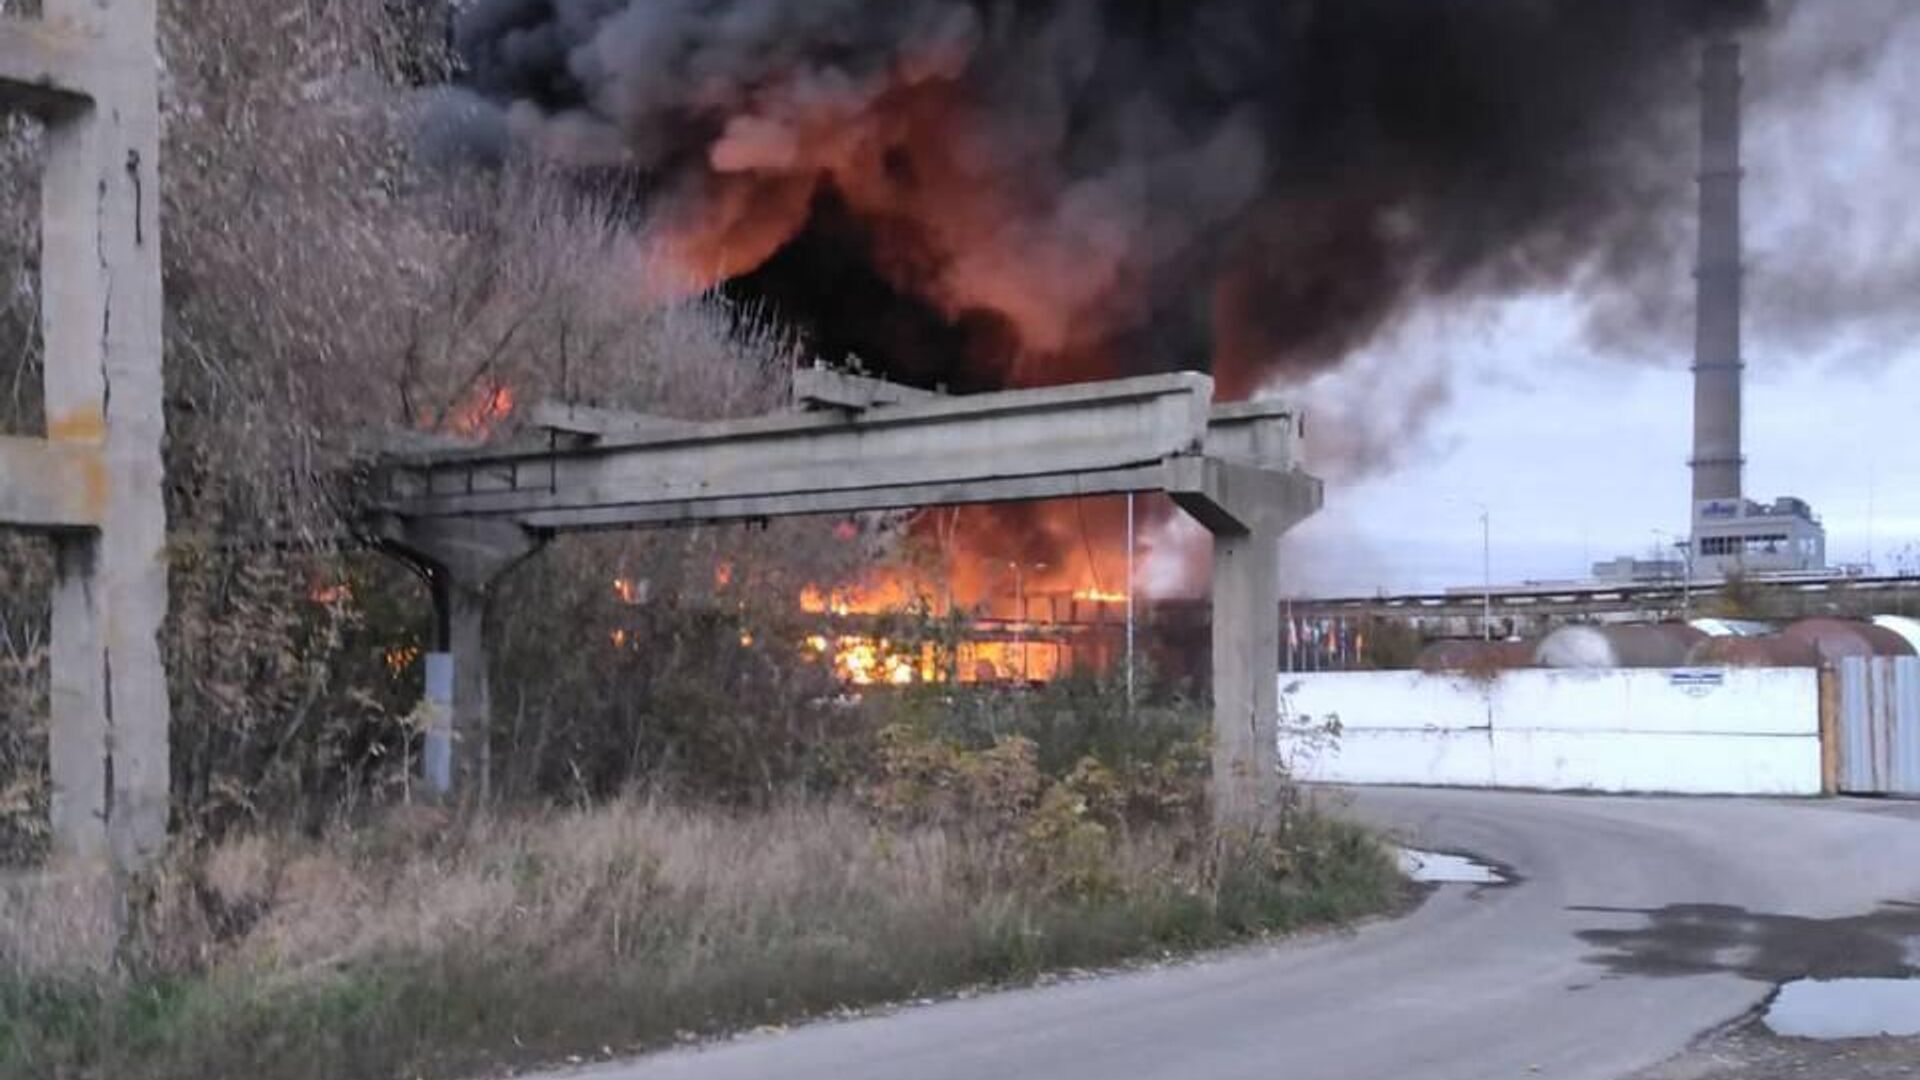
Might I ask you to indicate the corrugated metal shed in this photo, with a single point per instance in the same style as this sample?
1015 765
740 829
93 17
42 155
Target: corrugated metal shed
1879 725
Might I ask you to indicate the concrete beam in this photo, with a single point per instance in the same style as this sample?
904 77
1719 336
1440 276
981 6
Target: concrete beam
752 507
597 423
1262 433
825 388
1033 440
52 485
47 67
1231 498
475 553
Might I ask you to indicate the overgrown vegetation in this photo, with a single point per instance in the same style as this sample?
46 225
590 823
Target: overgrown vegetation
417 947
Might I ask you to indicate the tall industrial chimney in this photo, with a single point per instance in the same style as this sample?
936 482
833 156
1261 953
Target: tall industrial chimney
1717 460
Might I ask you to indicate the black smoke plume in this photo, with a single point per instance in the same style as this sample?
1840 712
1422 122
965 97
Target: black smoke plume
992 192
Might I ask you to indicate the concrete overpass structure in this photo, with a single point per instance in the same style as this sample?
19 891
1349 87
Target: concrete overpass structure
88 70
468 517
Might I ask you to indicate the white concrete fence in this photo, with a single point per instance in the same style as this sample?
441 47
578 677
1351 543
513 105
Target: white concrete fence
1737 731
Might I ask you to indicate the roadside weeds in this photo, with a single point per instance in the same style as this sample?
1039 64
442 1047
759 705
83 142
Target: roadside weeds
547 938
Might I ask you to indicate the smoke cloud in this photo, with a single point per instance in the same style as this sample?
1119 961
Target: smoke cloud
984 193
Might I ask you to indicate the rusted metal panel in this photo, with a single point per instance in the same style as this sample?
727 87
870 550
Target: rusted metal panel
1829 732
1880 725
1839 638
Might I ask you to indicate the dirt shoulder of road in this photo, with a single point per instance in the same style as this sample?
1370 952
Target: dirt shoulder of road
1749 1053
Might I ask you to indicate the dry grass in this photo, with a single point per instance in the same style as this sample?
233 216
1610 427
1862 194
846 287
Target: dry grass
409 950
56 923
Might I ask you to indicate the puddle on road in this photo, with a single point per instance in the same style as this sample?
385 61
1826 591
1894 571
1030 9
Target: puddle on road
1847 978
1845 1008
1704 939
1438 868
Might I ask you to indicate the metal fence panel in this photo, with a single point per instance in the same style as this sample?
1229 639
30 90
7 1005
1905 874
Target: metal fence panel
1880 725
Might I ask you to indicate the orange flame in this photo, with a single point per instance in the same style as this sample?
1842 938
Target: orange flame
327 594
479 414
866 661
400 658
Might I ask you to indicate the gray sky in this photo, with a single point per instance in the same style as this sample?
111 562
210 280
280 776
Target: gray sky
1578 446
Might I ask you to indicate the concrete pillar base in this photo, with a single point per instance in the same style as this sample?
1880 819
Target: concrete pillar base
1246 690
1247 509
464 561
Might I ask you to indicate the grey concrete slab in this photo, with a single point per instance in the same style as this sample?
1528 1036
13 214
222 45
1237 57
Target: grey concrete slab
1478 983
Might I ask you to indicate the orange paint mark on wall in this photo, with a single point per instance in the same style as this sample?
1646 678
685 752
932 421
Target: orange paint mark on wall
95 484
78 425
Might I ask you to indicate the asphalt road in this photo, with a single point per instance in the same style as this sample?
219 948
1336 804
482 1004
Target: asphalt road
1638 925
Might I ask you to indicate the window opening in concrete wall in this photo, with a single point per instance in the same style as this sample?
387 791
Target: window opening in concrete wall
22 156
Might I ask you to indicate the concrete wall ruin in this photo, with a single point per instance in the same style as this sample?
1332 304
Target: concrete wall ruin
89 70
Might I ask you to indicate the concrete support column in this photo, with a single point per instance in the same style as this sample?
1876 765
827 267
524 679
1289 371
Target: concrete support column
465 560
101 312
457 756
1247 509
1246 684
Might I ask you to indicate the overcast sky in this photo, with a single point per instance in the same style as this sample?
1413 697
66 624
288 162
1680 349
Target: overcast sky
1578 448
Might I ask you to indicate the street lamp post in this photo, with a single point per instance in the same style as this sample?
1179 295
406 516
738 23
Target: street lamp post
1486 573
1020 605
1020 617
1486 564
1130 561
1684 546
1686 580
